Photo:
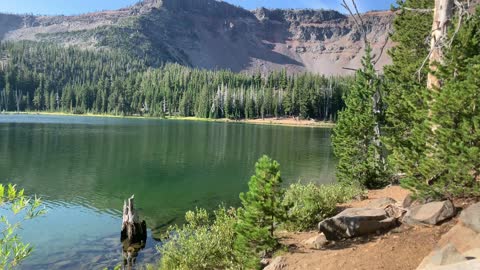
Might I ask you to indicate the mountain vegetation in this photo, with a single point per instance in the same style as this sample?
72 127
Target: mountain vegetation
45 77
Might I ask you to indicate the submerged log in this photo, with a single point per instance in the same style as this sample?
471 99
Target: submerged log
133 235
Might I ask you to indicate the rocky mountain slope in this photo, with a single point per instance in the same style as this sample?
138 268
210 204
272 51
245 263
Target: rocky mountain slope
213 34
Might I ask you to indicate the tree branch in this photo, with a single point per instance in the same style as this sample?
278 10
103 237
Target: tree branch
360 24
419 10
382 49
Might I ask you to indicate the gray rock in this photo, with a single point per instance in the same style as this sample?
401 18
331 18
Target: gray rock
381 203
470 217
442 256
317 242
408 201
472 254
301 49
430 213
354 222
277 264
465 265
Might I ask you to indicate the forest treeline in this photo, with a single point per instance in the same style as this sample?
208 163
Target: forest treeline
47 77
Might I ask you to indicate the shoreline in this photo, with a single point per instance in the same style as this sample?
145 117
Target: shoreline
287 122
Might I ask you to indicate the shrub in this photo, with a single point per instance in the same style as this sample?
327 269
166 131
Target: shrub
309 204
201 243
12 250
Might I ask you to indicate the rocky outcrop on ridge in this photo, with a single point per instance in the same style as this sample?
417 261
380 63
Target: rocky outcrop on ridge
214 34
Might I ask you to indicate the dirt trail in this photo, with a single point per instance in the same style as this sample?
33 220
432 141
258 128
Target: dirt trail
401 249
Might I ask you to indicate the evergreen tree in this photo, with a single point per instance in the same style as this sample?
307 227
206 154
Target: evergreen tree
38 98
355 142
109 82
450 164
260 210
405 86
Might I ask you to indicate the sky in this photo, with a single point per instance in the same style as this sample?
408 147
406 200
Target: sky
69 7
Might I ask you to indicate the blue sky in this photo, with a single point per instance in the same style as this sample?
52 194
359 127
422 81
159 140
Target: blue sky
69 7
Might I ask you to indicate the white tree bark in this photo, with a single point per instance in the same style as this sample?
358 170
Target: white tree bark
441 18
132 228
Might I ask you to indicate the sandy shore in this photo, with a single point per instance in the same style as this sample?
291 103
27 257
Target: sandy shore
291 122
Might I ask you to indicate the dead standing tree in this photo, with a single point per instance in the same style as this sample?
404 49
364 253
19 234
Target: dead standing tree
18 99
133 235
442 15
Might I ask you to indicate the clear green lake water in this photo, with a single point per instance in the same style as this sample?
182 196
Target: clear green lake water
84 167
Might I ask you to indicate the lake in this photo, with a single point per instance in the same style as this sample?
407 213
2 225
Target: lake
84 167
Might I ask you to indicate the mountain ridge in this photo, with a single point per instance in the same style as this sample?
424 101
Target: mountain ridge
215 35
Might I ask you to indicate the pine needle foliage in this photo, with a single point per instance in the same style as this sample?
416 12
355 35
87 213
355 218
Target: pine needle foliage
450 167
405 90
355 142
261 209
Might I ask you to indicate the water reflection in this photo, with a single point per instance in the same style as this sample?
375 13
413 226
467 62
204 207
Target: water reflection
84 168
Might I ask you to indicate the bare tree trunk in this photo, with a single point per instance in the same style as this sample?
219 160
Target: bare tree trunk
441 18
18 98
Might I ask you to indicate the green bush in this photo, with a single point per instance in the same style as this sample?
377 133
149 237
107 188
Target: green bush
309 204
201 243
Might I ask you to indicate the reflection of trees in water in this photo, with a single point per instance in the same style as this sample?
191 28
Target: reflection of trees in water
172 166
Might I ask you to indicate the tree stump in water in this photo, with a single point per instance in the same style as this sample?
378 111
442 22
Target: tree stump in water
134 233
133 230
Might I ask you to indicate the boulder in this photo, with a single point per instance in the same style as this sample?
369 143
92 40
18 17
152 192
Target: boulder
472 254
317 242
443 256
470 217
408 201
430 213
381 203
459 248
462 237
465 265
354 222
277 264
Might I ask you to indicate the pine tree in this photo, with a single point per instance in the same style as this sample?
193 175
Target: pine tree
87 81
355 142
260 210
450 165
405 87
